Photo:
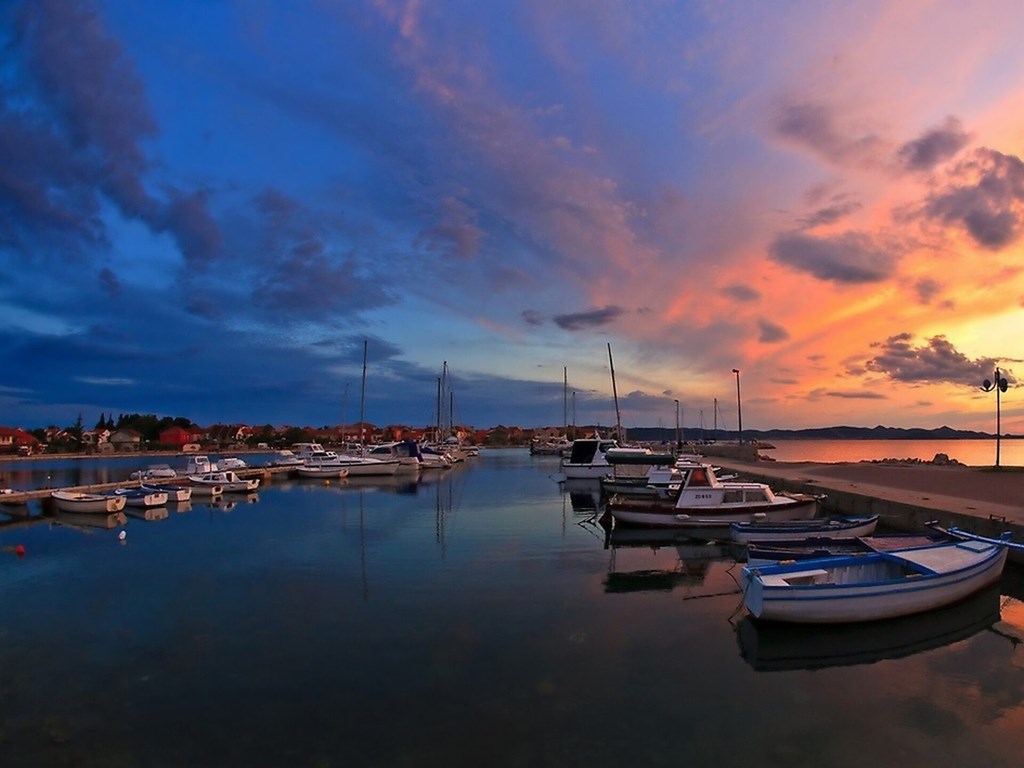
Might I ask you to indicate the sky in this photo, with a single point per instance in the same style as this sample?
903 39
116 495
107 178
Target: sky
211 209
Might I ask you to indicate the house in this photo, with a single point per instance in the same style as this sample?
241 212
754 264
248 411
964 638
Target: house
95 437
126 440
13 439
179 436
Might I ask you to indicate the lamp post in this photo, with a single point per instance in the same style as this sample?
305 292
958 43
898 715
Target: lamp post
999 385
739 406
679 442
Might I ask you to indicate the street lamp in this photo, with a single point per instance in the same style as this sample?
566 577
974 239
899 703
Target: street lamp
739 407
679 442
999 385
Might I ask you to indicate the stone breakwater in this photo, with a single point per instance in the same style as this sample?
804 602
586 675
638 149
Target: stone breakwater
939 460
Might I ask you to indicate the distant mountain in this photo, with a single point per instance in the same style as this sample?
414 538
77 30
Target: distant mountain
668 434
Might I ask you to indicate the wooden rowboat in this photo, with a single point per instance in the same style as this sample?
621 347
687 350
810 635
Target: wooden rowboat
87 503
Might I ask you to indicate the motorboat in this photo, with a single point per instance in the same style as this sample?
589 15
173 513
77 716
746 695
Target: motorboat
227 480
231 462
199 463
405 452
285 458
142 497
586 459
177 494
314 454
641 473
88 503
325 471
707 506
874 586
154 472
843 527
434 457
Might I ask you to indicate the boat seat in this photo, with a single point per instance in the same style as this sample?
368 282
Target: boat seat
795 578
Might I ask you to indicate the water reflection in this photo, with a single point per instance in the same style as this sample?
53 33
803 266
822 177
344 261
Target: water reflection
149 514
769 646
682 561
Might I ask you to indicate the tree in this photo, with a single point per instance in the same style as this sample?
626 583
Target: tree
102 423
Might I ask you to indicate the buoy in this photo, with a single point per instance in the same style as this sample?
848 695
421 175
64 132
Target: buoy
122 536
20 550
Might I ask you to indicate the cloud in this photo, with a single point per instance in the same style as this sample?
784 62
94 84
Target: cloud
532 317
936 361
860 395
927 288
770 332
933 146
110 282
815 126
848 258
741 292
830 214
989 200
455 232
592 319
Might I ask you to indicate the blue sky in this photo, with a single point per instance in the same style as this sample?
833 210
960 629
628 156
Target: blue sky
207 207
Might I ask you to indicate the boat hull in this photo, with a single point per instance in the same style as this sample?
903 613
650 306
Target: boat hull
655 514
834 528
324 472
87 503
812 591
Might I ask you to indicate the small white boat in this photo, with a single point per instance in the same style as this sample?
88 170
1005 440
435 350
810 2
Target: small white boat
142 497
878 585
204 489
708 505
324 471
586 460
177 494
154 472
226 480
199 463
405 452
794 530
87 503
231 462
314 455
285 458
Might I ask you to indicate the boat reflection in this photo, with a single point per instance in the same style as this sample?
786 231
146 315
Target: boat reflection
684 563
386 483
584 495
228 502
770 646
149 514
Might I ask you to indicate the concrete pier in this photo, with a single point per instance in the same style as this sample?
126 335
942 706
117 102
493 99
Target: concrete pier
905 496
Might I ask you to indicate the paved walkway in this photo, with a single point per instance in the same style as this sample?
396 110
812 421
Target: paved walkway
981 493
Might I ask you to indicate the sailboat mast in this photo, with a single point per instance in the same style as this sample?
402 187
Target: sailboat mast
565 396
437 431
362 401
615 394
344 414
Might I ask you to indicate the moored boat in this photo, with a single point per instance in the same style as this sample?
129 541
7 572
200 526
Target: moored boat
142 497
226 480
792 530
175 493
586 459
878 585
707 506
87 503
323 471
154 472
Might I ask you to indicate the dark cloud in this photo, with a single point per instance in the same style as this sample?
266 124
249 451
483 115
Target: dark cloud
770 332
592 319
933 146
935 361
857 395
848 258
532 317
830 214
110 282
989 205
741 292
927 288
455 232
815 127
198 236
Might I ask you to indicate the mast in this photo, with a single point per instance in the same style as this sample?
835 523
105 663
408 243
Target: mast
362 402
565 393
344 413
615 394
437 432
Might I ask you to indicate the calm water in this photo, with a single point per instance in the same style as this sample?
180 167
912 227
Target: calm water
479 619
975 453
